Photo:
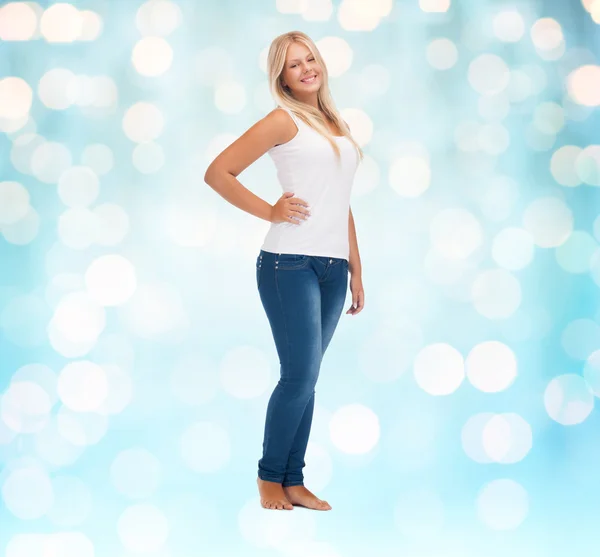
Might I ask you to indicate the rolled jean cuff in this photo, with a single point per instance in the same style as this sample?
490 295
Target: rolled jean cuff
292 483
269 478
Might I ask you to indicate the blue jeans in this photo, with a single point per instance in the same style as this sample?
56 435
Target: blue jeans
303 297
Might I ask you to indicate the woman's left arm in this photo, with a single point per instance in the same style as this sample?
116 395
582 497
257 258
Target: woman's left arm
355 267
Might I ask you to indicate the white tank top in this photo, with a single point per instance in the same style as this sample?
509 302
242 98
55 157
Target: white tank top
307 166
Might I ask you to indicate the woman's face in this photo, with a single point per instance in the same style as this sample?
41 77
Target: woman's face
301 64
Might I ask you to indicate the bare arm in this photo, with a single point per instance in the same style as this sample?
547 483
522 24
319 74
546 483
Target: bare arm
276 127
354 263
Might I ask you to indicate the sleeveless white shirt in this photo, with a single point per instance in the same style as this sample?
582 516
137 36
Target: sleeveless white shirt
307 166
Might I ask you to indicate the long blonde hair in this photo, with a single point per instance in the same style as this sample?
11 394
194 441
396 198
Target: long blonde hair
308 114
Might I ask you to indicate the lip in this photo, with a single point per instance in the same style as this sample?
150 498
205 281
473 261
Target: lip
315 76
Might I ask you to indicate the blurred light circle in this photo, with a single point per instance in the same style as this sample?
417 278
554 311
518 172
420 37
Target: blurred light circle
83 429
587 166
26 545
472 437
455 233
25 407
361 125
513 248
135 472
61 23
355 15
549 117
154 310
496 294
419 514
104 92
53 88
158 17
317 11
78 227
120 390
549 220
493 138
583 85
410 176
375 79
40 374
110 280
82 386
98 157
509 26
591 372
537 140
491 366
520 86
22 149
562 165
230 96
575 254
148 157
494 108
337 53
502 504
61 285
27 493
548 39
72 501
488 74
568 400
14 202
183 226
143 528
441 54
354 429
205 447
143 122
91 25
152 56
49 160
78 186
434 6
112 224
69 544
15 98
24 231
245 372
18 22
506 438
53 448
580 338
213 65
439 369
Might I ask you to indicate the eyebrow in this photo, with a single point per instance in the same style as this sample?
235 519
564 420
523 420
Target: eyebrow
296 59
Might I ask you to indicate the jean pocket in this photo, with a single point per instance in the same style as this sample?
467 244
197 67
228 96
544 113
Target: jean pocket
287 261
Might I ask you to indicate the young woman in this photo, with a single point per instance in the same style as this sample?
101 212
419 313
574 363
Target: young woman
302 268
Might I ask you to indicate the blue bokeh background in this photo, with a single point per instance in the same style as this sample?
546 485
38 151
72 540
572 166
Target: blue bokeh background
455 415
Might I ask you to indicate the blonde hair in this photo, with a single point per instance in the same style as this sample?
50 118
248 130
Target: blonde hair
308 114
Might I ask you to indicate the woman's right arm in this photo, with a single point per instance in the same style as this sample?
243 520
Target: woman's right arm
276 127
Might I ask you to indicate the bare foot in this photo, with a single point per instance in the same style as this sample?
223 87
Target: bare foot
299 495
272 496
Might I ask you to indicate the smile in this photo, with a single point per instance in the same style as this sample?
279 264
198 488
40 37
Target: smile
309 79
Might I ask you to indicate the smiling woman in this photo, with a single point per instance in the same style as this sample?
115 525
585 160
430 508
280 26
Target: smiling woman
311 246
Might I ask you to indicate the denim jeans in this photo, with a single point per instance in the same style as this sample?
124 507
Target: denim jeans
303 297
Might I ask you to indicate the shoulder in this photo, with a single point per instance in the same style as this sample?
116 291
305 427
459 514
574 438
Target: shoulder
280 124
